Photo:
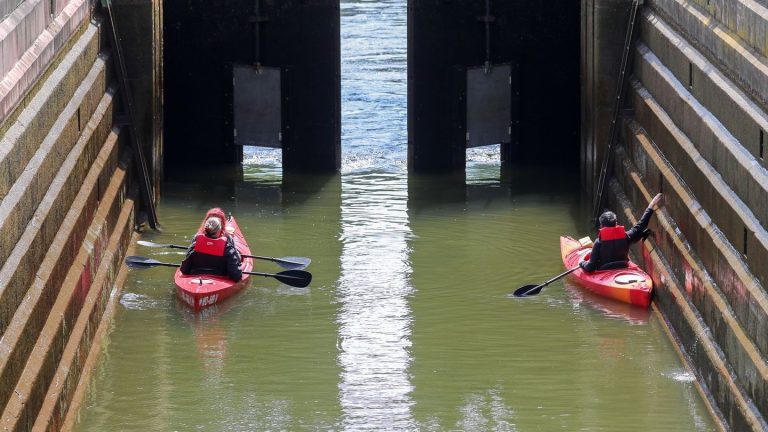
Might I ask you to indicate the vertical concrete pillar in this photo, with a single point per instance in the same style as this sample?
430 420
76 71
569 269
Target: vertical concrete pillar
603 28
304 38
139 23
540 42
204 39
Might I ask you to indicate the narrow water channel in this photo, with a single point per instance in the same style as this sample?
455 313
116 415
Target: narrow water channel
408 323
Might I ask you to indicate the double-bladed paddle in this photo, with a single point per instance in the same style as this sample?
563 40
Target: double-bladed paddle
295 278
531 290
292 263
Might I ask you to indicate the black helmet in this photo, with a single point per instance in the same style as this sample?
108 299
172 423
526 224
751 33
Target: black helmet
607 219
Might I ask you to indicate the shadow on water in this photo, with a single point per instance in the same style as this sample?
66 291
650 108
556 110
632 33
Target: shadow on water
553 183
229 184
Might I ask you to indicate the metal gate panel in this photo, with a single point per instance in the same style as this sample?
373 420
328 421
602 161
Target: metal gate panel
489 101
257 106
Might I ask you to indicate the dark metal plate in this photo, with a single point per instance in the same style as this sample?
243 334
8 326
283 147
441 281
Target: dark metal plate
256 105
489 101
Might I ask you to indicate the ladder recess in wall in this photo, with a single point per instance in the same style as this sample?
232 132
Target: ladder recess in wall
146 184
620 84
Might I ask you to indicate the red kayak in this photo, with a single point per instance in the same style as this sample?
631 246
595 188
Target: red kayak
629 285
199 291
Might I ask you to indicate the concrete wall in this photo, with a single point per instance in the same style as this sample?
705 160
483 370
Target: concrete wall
140 25
30 37
698 134
603 28
66 206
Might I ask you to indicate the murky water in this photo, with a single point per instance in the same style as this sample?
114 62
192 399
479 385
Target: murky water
407 324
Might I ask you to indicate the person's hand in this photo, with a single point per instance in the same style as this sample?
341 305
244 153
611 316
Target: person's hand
655 201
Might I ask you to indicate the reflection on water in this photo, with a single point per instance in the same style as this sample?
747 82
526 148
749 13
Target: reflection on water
606 307
483 165
374 315
407 324
209 334
374 285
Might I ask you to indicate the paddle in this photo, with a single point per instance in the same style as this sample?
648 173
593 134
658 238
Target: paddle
296 278
292 263
530 290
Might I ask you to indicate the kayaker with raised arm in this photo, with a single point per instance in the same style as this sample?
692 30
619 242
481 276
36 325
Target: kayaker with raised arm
214 251
611 249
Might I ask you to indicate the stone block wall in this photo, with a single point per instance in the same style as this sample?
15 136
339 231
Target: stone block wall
66 203
699 95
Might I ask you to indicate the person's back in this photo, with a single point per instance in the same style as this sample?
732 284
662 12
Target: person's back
213 252
611 249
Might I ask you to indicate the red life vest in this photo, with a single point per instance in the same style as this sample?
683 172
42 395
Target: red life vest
614 247
612 233
207 245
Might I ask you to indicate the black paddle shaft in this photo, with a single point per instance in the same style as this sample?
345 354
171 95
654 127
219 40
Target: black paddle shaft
291 263
296 278
530 290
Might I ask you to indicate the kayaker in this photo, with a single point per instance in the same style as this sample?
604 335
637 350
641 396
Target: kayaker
611 249
214 251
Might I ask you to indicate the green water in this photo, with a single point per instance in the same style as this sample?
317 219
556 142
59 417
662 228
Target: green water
407 325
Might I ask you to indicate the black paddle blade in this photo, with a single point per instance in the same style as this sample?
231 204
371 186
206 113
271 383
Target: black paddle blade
293 263
528 290
295 278
140 262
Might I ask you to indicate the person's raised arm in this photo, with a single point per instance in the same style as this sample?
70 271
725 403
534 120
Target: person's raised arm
636 232
655 201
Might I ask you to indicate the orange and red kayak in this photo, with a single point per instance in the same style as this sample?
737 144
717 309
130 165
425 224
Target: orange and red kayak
199 291
629 285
